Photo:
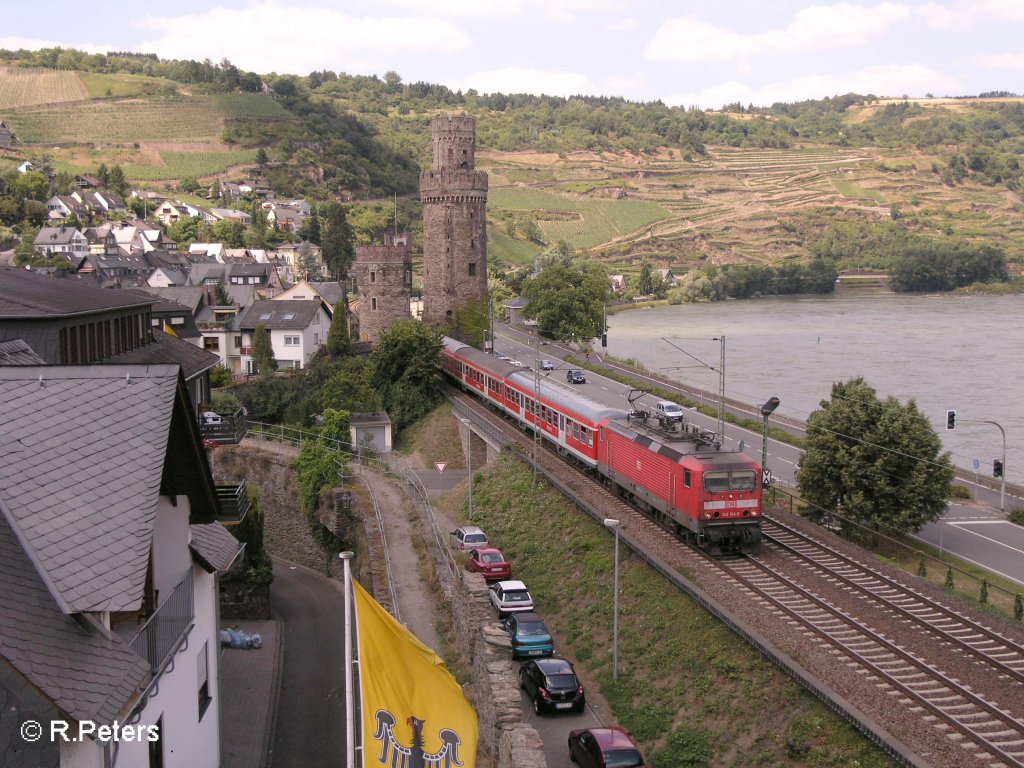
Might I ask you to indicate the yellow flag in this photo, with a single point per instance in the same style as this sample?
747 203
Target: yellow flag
168 329
414 712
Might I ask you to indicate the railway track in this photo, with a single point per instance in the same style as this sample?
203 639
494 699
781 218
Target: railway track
989 647
927 698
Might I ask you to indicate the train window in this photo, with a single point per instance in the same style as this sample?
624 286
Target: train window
740 480
686 478
583 435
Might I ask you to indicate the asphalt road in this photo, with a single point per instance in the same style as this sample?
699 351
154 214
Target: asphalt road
310 730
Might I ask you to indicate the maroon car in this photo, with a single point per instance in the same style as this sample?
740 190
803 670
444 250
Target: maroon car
489 562
605 748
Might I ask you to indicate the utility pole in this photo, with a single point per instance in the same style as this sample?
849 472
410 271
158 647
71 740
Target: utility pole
536 413
721 389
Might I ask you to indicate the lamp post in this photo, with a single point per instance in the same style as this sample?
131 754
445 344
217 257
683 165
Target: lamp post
612 523
469 463
766 410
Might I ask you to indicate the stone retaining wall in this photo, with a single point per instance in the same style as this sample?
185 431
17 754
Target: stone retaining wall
495 687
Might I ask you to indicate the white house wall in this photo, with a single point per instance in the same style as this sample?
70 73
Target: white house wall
171 557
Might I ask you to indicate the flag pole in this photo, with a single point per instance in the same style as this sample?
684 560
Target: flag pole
350 745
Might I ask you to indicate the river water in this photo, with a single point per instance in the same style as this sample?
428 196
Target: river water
962 353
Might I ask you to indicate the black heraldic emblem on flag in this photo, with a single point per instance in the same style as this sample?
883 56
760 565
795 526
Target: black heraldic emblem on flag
396 755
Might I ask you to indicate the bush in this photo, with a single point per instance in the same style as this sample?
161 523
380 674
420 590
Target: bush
220 377
959 492
1017 516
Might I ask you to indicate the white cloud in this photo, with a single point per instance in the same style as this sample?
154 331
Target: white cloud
627 24
813 28
967 14
464 8
1013 62
625 84
535 81
269 37
888 80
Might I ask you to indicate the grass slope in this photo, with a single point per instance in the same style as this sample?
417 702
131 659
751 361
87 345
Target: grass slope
689 689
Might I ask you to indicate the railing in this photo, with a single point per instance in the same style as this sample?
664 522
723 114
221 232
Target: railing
161 635
278 433
234 502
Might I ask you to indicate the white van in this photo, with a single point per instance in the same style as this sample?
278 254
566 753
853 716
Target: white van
669 412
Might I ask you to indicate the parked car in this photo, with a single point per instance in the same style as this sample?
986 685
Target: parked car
506 358
552 686
468 537
510 597
605 748
490 563
547 365
529 635
576 376
668 411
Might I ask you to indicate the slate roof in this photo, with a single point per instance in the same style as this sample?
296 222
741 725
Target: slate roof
214 547
280 315
332 292
189 296
55 235
27 295
17 352
169 349
87 672
82 483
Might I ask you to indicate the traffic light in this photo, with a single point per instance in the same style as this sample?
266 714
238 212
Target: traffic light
950 419
997 468
604 339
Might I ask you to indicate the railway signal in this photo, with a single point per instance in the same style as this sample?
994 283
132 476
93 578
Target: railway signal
950 419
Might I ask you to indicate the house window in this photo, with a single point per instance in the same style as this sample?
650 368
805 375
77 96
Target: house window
238 341
177 321
211 342
203 670
291 341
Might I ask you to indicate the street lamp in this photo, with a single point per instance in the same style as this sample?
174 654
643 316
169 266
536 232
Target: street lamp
469 463
766 410
1002 467
612 523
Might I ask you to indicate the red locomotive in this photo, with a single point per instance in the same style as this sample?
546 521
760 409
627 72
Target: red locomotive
674 472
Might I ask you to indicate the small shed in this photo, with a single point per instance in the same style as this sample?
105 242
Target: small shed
514 310
371 430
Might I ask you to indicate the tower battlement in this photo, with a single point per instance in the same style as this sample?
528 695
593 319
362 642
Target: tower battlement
454 142
453 186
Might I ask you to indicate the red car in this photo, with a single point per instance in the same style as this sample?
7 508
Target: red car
605 748
489 562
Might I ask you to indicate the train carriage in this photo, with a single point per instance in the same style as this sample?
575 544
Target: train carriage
679 475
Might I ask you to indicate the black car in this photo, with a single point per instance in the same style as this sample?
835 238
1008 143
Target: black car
552 686
576 377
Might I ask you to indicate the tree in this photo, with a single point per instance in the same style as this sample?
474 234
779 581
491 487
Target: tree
338 343
262 352
403 368
306 262
310 229
32 185
567 299
645 284
877 462
336 241
336 425
261 157
230 232
117 181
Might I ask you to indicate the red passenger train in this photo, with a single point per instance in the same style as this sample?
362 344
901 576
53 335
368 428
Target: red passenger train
677 473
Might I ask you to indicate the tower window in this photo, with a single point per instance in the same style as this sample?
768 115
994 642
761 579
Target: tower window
472 269
373 277
472 243
373 304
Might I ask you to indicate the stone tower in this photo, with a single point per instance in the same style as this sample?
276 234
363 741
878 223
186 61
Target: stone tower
384 282
454 197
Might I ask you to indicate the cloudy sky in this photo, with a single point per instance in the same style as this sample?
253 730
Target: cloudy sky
684 53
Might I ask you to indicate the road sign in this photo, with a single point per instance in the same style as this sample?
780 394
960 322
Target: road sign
977 463
766 477
441 465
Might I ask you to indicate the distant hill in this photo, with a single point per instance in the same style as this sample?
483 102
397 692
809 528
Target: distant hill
623 180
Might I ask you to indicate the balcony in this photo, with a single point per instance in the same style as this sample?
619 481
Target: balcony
164 632
234 503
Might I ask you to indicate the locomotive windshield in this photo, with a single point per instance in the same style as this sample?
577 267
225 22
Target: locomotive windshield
737 480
